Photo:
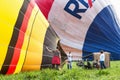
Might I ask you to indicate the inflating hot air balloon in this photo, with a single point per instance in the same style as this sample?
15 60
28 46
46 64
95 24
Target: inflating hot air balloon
84 26
24 34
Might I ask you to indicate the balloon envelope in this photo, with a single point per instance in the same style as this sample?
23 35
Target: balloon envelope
24 35
84 26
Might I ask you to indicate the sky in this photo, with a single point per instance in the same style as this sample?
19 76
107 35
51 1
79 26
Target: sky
116 5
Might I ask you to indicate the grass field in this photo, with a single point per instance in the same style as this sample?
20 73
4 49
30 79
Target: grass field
76 73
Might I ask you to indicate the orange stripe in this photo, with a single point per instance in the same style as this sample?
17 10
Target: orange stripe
20 39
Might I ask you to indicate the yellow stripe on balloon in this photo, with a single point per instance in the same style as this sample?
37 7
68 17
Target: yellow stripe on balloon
7 22
25 43
35 48
5 36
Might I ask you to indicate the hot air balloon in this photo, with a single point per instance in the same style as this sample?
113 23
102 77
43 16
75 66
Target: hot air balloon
24 34
84 26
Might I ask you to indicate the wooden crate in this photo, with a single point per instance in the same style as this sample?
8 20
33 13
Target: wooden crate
107 58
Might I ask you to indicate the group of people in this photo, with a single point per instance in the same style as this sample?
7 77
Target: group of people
98 63
56 60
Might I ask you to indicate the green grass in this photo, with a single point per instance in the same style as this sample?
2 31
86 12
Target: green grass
76 73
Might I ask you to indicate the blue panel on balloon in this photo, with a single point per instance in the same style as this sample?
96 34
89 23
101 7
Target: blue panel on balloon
103 34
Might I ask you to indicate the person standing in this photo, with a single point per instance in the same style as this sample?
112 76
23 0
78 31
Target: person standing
69 65
55 59
102 59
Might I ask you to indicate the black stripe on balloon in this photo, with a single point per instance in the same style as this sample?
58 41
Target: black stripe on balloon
14 37
51 40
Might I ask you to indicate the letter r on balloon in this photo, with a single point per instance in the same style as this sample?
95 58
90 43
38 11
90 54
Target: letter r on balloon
75 12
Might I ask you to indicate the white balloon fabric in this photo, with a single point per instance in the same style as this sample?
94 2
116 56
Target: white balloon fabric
85 25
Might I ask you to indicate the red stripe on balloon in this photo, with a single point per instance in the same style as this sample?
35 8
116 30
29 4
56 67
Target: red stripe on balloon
90 3
20 40
45 6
